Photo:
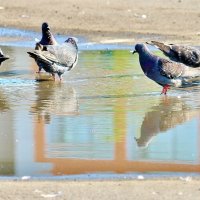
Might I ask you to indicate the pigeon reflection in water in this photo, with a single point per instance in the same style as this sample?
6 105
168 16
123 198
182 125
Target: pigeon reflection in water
168 114
54 99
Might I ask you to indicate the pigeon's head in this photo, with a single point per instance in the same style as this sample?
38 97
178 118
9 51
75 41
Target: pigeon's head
142 142
45 27
73 41
139 48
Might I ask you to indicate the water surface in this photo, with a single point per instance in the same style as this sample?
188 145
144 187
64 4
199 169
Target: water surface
105 117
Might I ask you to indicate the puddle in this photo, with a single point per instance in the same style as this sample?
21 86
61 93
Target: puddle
25 38
105 117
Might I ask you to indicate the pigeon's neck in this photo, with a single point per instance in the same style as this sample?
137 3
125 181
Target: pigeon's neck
147 60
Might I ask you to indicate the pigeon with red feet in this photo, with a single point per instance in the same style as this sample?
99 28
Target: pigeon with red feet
163 71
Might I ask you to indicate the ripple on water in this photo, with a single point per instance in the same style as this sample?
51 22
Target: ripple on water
17 82
102 105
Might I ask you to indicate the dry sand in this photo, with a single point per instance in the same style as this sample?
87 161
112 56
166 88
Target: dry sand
104 190
104 21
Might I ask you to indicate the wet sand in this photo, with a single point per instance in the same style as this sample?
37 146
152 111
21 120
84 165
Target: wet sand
174 21
132 21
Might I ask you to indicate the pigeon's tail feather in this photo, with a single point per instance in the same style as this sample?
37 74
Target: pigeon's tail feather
3 58
33 55
39 58
163 47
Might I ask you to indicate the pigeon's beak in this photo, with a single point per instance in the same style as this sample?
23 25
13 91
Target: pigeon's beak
133 51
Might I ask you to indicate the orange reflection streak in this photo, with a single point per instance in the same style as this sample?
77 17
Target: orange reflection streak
39 139
120 134
198 141
119 165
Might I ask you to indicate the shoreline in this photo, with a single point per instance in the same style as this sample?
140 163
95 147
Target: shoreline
108 37
134 176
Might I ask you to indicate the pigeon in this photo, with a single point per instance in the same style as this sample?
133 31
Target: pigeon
2 57
163 71
187 55
47 39
57 58
47 36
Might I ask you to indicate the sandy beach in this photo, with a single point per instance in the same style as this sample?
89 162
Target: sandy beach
106 21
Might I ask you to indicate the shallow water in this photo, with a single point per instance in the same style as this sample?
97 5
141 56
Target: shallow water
105 117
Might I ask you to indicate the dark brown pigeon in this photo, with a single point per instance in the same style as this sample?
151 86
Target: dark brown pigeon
47 39
2 57
47 36
187 55
163 71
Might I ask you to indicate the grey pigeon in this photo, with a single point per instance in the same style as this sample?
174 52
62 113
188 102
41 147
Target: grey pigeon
57 58
185 54
2 57
163 71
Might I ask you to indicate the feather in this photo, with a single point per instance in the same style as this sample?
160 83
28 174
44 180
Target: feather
187 55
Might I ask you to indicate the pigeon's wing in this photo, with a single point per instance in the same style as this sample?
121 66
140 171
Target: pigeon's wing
48 56
43 56
170 69
163 47
171 51
187 55
65 54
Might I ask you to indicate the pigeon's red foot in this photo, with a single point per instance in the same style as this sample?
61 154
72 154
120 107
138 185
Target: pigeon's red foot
165 88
